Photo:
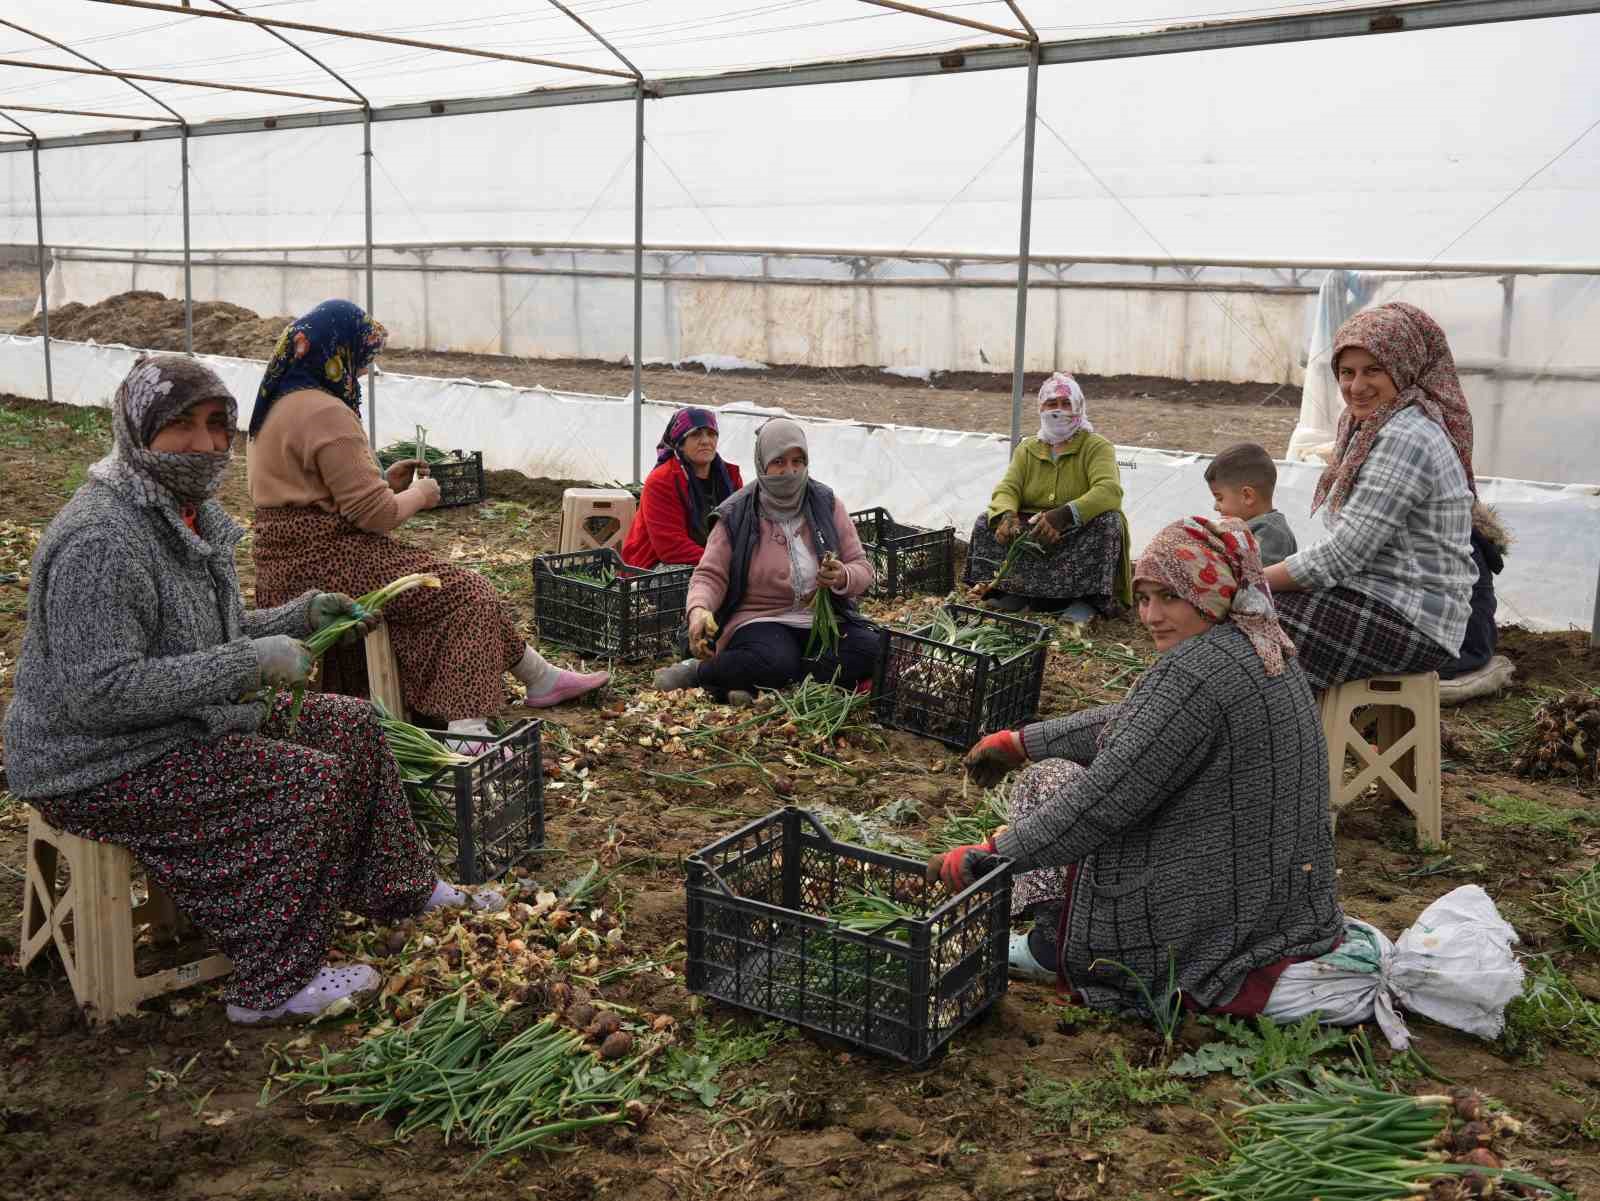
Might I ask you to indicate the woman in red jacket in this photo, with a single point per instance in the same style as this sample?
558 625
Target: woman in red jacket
689 481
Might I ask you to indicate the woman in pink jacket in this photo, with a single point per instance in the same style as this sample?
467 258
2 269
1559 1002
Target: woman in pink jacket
772 545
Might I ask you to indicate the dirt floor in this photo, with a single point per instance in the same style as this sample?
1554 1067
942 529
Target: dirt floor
1131 410
167 1104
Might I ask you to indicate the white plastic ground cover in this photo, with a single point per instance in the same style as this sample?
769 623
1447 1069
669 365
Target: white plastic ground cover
922 476
1454 965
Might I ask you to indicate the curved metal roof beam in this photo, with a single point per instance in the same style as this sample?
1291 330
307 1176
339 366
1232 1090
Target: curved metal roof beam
48 40
388 39
298 49
188 83
7 106
595 34
919 11
1022 19
26 132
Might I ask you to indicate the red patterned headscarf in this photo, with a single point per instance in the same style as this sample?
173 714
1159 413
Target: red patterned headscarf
1412 348
1215 565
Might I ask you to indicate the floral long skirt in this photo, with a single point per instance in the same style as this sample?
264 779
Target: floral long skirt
261 841
1032 789
1084 565
454 644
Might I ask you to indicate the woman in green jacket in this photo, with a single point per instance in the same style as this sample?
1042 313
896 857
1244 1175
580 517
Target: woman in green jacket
1062 492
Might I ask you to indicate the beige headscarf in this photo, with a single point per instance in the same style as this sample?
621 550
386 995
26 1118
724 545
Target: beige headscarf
781 496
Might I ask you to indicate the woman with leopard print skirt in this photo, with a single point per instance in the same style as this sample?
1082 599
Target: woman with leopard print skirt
325 516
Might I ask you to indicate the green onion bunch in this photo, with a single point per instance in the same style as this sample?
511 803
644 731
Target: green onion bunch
1341 1140
985 638
819 712
420 755
448 1069
824 639
320 642
976 827
863 910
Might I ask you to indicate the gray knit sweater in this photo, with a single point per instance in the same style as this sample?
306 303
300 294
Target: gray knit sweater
1200 826
136 643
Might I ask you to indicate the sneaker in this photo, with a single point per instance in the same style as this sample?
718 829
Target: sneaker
1023 966
331 986
679 675
1007 602
568 685
448 896
1488 680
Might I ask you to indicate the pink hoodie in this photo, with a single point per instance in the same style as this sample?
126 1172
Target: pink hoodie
768 592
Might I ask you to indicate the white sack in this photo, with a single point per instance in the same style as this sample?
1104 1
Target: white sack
1454 965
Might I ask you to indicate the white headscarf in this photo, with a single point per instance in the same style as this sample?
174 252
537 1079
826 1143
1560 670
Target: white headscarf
1058 425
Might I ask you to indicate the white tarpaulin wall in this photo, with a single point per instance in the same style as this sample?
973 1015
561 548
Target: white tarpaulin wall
922 476
1527 354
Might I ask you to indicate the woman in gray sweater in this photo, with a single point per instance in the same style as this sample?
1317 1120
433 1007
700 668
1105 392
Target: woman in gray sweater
137 720
1187 825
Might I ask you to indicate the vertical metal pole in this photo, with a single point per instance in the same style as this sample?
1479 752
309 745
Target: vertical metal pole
638 277
188 280
1020 342
372 373
44 292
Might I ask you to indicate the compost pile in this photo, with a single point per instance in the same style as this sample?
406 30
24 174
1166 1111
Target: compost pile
152 321
1565 740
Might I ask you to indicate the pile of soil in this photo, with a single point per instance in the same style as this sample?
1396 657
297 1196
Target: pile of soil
152 321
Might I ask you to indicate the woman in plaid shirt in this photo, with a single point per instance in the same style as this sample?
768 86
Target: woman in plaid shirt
1389 590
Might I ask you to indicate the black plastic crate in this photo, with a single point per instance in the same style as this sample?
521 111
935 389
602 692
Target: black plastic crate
760 938
906 558
460 479
955 694
490 810
592 602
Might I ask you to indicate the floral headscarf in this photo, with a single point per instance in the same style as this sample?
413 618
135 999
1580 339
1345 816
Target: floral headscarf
1215 565
341 340
683 423
1055 430
1412 348
158 388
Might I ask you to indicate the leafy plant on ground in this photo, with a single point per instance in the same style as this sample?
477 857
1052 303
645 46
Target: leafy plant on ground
1252 1052
1092 1105
1529 814
1166 1011
692 1073
1550 1010
1577 904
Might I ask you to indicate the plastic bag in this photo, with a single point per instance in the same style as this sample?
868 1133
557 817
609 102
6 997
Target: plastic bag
1454 965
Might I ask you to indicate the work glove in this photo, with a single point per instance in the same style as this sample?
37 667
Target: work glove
958 868
401 473
329 607
282 661
1008 528
994 756
428 488
831 573
1051 524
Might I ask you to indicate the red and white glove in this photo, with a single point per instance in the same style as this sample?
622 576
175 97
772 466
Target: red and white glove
994 756
958 868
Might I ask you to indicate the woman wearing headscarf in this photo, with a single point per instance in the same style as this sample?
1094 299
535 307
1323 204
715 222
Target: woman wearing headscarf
137 718
689 481
774 543
1390 589
1063 491
1187 825
324 517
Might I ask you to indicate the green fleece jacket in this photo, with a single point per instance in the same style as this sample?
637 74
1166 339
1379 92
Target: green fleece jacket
1084 475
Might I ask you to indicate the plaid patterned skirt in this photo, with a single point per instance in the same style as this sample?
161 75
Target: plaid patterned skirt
1083 565
1342 634
453 643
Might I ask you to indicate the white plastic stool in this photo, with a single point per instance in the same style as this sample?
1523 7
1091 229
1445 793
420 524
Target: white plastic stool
91 921
1396 745
582 508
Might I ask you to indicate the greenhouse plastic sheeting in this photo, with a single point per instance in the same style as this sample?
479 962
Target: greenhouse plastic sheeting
1527 356
922 476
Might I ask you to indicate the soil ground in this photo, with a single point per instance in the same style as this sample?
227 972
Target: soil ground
1131 410
166 1104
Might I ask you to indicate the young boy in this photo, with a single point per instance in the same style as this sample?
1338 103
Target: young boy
1242 479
